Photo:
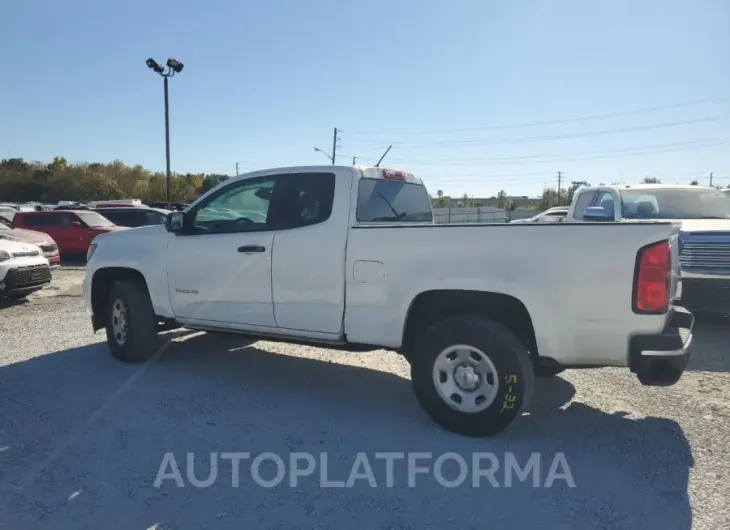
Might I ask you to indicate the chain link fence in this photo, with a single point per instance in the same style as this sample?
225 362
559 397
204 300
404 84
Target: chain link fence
479 215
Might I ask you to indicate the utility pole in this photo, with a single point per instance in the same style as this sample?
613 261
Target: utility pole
334 146
354 158
560 175
710 179
236 168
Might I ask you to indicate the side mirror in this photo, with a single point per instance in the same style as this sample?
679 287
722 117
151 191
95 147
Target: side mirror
175 222
597 214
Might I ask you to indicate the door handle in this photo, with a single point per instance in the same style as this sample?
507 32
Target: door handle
251 248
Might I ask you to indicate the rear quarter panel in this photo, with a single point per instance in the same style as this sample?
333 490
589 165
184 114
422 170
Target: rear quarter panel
576 280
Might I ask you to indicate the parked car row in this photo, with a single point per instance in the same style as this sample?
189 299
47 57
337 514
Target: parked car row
32 240
74 230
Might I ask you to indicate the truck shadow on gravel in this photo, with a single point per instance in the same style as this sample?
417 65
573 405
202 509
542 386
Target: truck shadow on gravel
82 438
6 303
711 345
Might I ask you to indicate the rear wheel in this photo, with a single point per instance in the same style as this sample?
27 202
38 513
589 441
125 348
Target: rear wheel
471 375
131 328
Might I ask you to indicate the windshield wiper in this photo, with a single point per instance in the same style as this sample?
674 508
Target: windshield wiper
714 217
386 201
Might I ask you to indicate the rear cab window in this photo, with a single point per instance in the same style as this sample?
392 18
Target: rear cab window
398 199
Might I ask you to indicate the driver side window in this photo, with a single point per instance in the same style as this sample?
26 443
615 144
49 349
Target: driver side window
241 207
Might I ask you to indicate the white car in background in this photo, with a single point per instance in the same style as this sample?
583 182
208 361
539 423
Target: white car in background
551 215
23 269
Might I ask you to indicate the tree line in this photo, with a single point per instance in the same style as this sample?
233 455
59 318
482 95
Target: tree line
23 181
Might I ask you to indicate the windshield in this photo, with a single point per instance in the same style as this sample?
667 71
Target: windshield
675 203
381 200
93 219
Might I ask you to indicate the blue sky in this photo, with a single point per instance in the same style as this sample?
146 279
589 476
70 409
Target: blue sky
457 87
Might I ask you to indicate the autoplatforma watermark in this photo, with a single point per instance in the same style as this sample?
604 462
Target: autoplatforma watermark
386 469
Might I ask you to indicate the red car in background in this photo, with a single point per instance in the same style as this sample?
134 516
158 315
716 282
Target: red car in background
72 230
44 241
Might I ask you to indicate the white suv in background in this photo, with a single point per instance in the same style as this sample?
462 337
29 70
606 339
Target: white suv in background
23 269
551 215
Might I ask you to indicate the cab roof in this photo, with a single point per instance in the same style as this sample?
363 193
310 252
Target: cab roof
370 172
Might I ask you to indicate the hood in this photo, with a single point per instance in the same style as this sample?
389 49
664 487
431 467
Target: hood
104 229
16 247
123 233
26 236
704 225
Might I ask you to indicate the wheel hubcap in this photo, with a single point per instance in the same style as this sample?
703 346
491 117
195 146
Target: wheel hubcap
119 321
465 378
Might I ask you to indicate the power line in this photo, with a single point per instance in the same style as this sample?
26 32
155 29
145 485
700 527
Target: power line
530 178
405 143
551 122
555 156
564 160
438 183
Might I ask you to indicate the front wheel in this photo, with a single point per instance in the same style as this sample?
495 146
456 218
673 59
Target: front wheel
472 375
131 328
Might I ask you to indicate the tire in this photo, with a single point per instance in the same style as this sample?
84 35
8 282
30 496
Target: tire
509 358
548 371
141 341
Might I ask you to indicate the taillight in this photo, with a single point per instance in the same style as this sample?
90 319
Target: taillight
653 278
395 175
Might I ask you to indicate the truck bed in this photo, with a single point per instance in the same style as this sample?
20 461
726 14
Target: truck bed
538 264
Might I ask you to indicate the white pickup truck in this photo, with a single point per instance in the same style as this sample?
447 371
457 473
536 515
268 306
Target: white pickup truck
349 258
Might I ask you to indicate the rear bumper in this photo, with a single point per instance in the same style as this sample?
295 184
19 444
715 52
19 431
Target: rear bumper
660 360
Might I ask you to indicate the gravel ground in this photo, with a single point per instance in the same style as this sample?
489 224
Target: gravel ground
82 437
